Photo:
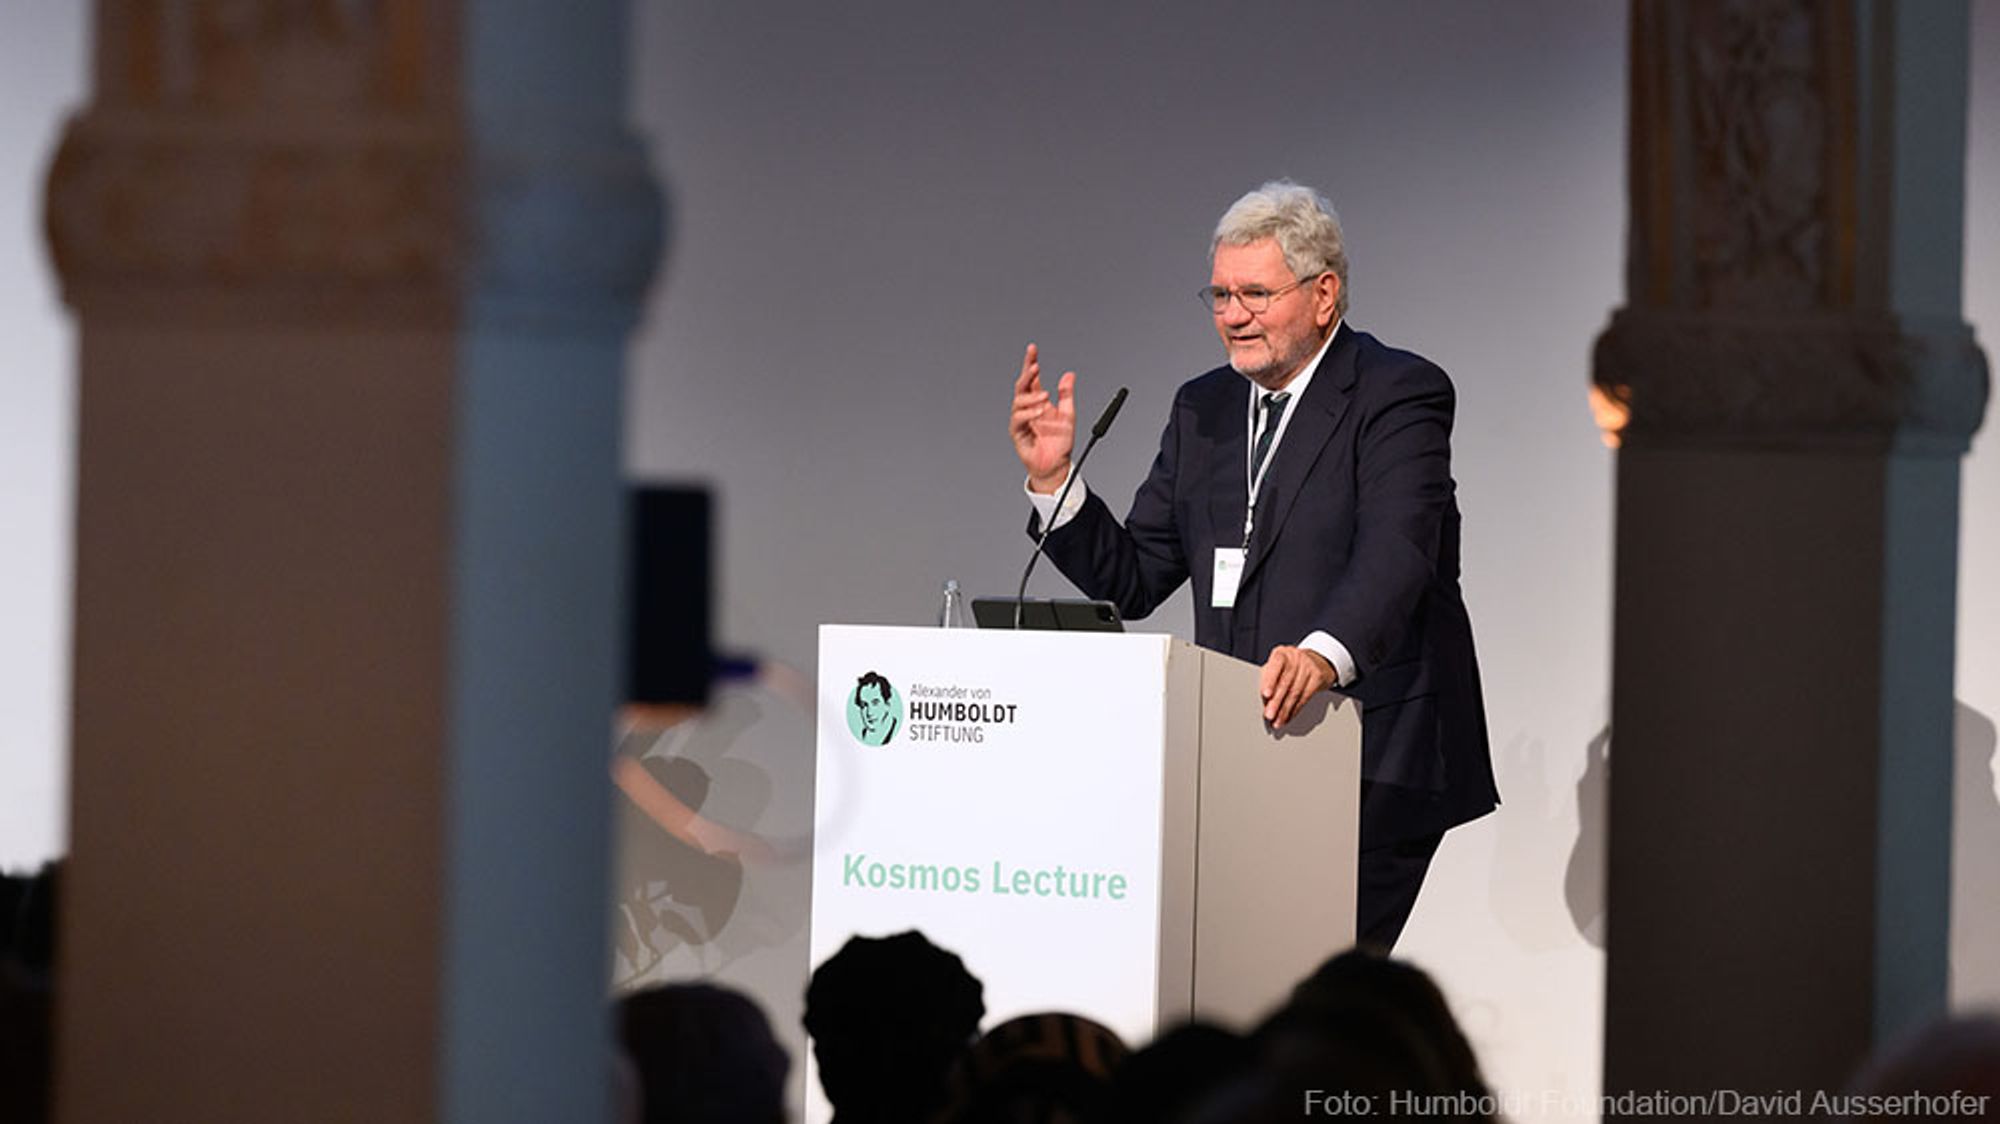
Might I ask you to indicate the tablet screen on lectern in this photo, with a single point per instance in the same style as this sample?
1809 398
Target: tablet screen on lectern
1048 614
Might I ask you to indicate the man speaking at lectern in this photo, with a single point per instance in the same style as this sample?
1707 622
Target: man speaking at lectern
1305 489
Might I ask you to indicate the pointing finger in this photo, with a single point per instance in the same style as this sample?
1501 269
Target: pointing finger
1031 373
1296 692
1271 684
1285 699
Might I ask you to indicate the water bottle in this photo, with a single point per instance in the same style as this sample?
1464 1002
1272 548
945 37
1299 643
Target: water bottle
951 614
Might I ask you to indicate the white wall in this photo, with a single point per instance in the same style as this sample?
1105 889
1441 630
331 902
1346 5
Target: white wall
42 68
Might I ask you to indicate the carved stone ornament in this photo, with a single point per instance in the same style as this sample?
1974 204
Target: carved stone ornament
403 222
562 227
1754 316
1806 381
1758 139
306 158
133 207
1742 154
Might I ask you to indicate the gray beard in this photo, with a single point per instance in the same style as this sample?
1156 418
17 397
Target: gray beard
1270 377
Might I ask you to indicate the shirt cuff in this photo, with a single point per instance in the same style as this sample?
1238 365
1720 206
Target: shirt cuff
1335 653
1045 506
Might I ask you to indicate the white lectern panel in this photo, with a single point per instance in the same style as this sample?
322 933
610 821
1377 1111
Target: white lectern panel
1011 811
1096 823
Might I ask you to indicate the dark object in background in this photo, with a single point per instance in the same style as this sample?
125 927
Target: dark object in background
1948 1068
669 588
27 993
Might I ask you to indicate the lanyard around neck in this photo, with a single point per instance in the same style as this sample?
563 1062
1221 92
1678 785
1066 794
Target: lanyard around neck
1274 411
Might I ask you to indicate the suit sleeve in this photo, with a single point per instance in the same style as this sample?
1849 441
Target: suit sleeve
1140 563
1402 488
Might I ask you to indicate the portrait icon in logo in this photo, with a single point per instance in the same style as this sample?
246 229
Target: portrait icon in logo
874 710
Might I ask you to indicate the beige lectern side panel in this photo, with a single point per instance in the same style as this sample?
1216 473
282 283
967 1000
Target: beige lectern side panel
1180 758
1277 827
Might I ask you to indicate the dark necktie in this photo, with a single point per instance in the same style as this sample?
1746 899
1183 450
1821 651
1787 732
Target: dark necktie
1274 411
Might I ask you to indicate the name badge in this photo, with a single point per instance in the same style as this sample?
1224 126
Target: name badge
1228 575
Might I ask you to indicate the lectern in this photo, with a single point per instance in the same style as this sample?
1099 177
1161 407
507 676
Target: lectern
1098 823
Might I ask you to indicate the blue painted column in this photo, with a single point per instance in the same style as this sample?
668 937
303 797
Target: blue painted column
566 226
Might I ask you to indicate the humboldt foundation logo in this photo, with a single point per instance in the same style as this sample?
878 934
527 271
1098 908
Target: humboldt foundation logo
952 713
874 710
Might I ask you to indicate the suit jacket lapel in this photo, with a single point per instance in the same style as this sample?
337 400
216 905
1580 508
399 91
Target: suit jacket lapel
1319 414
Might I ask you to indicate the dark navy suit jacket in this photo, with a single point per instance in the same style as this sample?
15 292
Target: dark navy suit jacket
1356 535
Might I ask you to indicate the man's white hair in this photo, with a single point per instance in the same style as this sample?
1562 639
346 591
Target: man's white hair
1303 222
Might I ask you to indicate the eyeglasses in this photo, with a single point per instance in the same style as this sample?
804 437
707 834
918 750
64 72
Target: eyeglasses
1253 298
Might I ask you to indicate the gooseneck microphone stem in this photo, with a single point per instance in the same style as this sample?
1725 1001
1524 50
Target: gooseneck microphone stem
1097 433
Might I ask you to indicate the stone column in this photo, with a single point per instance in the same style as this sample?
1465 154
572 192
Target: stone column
1801 385
353 282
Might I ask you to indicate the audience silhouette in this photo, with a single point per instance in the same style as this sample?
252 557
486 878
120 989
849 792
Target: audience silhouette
889 1017
893 1023
1179 1070
704 1055
1049 1068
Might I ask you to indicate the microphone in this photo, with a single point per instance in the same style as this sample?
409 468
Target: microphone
1104 421
1097 433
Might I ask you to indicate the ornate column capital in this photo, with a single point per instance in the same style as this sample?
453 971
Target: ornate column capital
151 216
291 162
1764 303
563 228
1804 380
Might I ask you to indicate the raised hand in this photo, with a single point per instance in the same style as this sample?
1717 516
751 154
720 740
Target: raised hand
1044 431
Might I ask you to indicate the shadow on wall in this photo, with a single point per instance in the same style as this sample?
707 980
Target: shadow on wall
1975 922
1529 849
1975 909
672 896
670 893
1583 880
